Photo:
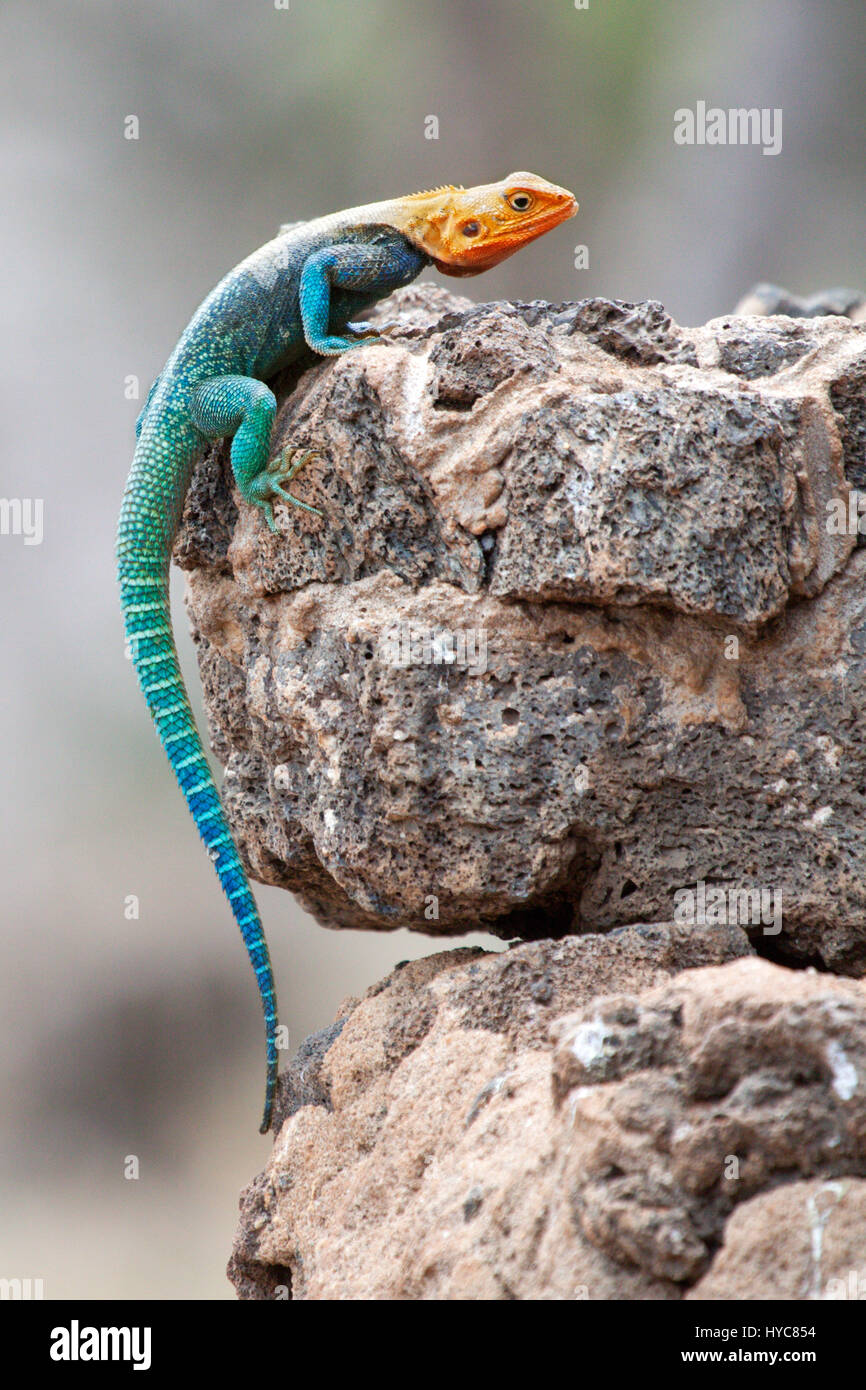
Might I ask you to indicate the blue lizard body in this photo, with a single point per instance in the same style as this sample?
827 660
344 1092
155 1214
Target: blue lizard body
299 292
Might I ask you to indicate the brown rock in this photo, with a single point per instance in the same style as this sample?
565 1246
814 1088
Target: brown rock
641 1145
801 1241
573 638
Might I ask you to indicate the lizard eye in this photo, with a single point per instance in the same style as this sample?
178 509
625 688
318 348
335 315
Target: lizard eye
471 228
521 202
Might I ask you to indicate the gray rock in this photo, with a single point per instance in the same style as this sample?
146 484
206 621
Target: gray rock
772 299
635 648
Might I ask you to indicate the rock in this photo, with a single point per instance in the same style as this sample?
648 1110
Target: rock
771 299
574 637
576 1119
804 1240
304 1084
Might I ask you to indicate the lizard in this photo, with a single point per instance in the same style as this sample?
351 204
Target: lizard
298 293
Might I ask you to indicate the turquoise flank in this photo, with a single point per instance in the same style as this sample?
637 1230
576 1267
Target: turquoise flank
296 295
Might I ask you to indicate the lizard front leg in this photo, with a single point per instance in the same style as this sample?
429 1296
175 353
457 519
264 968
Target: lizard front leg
372 269
243 407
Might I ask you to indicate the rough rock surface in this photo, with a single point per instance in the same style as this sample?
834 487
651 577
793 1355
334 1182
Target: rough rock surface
635 646
576 653
576 1119
772 299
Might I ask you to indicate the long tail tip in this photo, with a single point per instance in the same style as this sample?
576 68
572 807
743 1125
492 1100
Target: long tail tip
270 1092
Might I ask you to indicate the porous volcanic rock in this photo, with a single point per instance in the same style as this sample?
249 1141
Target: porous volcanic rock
573 636
574 1119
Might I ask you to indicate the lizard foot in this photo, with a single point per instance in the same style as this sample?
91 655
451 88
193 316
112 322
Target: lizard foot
361 329
268 487
333 345
374 331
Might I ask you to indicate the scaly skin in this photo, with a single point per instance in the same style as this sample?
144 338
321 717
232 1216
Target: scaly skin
298 292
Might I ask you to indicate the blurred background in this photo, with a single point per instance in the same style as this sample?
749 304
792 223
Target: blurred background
143 1037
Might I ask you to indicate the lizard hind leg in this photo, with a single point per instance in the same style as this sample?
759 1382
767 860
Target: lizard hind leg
244 408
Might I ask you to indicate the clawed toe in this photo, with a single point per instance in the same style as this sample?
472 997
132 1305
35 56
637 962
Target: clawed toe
296 501
288 464
270 485
362 330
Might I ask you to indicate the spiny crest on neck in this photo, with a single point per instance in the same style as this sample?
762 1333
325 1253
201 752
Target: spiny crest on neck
440 188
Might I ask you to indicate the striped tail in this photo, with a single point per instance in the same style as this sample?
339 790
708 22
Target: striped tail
143 574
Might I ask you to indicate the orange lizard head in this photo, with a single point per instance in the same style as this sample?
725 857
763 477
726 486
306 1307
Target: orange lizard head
467 230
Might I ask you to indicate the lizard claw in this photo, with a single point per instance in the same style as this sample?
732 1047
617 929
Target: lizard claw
384 330
367 332
287 464
296 501
268 486
372 332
